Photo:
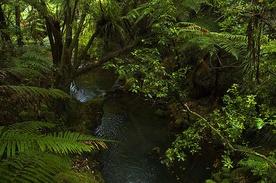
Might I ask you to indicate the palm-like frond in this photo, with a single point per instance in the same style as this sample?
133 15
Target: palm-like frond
210 41
229 36
33 166
19 72
15 140
35 57
31 93
193 5
31 126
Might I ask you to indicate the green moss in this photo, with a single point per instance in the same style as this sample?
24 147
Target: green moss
71 176
98 102
179 122
89 115
122 77
160 113
129 83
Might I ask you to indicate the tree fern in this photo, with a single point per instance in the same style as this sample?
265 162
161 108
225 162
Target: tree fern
210 41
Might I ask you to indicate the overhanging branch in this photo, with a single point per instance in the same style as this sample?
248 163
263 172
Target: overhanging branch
226 141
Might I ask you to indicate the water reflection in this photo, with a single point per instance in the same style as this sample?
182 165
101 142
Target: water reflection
129 161
130 120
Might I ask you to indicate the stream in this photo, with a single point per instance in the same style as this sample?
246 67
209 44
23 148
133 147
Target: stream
130 120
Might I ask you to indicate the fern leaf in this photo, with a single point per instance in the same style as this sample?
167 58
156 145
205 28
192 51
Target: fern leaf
33 167
202 29
62 143
239 38
35 57
194 5
30 93
19 72
31 126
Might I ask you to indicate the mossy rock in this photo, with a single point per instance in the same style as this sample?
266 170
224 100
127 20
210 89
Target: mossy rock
97 102
179 122
122 77
71 176
129 83
160 113
90 114
93 112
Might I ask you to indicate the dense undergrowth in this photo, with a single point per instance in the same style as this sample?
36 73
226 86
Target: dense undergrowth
212 62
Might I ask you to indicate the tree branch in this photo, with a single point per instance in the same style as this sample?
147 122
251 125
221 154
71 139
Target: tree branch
272 164
102 60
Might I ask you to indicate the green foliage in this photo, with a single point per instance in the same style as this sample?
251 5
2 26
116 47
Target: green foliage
239 114
109 20
78 177
33 166
29 93
34 57
230 126
35 127
210 42
26 151
34 150
18 72
27 101
60 143
259 166
145 73
195 5
181 145
176 39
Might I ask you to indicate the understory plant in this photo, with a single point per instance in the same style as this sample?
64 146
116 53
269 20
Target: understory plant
229 132
34 143
28 154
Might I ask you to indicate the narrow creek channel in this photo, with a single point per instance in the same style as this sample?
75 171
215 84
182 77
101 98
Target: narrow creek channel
130 120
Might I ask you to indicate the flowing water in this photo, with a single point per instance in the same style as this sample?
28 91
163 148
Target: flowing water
130 120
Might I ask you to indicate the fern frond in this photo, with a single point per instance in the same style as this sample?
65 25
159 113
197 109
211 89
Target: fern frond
233 37
244 150
204 39
87 139
202 29
33 167
31 126
35 57
229 47
194 5
31 93
14 141
19 72
254 158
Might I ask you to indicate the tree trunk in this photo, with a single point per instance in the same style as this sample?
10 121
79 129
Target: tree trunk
3 26
18 27
64 44
6 46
